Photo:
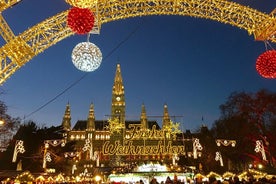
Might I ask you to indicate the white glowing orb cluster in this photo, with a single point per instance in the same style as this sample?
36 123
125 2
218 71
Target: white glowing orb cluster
86 56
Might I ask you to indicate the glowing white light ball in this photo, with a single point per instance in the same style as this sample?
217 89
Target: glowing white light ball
86 56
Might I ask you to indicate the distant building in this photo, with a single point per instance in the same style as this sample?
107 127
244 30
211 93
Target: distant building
119 142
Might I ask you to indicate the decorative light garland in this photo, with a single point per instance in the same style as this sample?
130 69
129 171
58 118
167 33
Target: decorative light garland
47 155
196 147
82 3
19 148
266 64
88 146
225 142
218 157
260 148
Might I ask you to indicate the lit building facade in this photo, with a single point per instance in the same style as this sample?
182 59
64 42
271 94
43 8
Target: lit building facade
118 142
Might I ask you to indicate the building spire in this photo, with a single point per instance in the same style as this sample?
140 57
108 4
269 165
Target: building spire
91 118
143 118
166 117
66 121
118 97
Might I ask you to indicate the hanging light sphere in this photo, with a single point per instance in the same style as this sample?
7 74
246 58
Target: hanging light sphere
86 56
80 20
82 3
266 64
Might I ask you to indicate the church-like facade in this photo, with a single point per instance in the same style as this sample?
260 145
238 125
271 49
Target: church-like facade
116 141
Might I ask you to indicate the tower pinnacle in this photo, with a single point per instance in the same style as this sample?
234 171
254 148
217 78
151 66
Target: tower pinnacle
91 118
118 97
166 117
66 121
143 118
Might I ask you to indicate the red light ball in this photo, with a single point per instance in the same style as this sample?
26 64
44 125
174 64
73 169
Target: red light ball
80 20
266 64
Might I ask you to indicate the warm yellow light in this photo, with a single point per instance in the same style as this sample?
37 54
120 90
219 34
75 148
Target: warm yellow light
2 122
82 3
98 178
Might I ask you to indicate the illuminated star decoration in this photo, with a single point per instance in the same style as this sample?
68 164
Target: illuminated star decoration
80 20
172 128
114 125
266 64
86 56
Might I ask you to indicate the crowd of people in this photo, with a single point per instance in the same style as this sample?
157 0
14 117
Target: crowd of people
213 180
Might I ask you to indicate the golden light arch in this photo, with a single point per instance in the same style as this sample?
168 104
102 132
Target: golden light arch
20 49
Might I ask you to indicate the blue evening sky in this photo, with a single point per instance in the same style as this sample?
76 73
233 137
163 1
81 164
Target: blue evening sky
190 64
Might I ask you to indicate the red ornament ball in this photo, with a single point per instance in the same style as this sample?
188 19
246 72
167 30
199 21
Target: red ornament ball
266 64
80 20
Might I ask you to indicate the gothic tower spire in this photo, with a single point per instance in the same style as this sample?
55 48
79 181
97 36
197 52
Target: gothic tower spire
118 97
143 118
91 118
166 117
66 121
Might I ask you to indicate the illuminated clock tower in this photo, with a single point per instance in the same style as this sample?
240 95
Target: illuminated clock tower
118 105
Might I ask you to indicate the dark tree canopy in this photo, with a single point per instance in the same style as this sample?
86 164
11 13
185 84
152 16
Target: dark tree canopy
8 128
247 117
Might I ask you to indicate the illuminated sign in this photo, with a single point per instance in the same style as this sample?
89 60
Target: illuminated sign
127 148
135 143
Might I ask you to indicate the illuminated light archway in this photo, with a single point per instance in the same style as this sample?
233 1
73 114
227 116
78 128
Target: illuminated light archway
22 48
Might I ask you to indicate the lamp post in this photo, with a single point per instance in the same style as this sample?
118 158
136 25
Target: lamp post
19 148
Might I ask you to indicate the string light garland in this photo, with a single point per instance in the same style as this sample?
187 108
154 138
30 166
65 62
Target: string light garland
80 20
266 64
86 56
82 3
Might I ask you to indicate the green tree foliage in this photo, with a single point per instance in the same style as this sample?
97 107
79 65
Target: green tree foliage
247 117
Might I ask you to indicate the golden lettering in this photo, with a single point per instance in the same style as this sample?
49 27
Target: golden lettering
127 148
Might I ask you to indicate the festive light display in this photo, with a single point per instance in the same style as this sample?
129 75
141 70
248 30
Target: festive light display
225 142
196 147
19 148
86 56
80 20
47 155
88 146
266 64
260 148
82 3
71 154
114 125
127 147
172 128
218 157
20 49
